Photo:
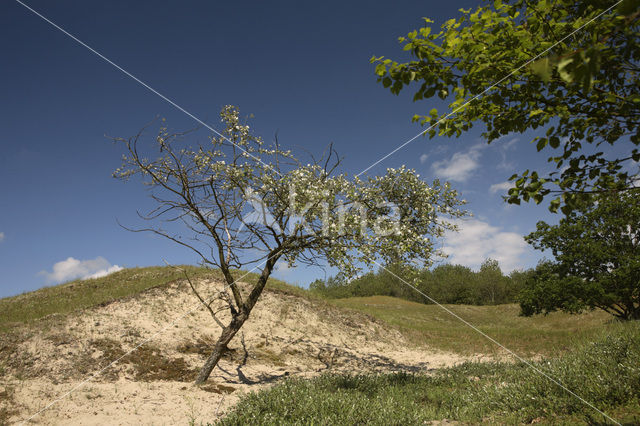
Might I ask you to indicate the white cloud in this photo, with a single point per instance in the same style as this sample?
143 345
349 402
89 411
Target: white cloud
460 166
502 187
104 272
1 236
71 269
423 158
476 241
505 146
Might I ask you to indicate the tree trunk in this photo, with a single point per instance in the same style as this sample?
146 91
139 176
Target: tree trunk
237 320
221 345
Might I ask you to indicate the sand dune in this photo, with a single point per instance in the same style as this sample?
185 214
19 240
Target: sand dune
286 335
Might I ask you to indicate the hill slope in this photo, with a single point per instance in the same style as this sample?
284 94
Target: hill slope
287 335
546 335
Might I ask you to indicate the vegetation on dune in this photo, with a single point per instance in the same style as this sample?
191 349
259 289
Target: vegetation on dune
82 294
606 373
428 323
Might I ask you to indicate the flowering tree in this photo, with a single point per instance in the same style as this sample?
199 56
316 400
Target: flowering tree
244 202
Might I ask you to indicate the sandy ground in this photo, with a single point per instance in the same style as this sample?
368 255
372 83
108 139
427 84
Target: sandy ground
61 372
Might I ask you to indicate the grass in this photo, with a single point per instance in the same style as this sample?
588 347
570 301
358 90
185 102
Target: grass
527 336
82 294
606 373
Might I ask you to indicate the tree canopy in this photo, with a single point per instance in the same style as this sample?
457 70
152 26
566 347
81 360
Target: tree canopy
597 252
568 68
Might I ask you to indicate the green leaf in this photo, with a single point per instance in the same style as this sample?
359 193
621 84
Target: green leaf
566 74
541 144
542 68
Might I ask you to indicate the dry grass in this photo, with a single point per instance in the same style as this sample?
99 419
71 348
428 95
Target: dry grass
82 294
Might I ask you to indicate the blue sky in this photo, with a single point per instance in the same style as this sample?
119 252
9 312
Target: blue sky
302 68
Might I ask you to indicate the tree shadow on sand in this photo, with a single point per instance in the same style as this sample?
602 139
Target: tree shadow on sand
330 357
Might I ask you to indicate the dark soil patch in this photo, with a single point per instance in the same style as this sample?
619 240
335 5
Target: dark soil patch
214 388
148 362
200 347
151 365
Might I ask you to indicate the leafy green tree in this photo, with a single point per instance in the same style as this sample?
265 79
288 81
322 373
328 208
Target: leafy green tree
492 285
568 67
546 290
517 280
452 284
318 286
241 202
597 251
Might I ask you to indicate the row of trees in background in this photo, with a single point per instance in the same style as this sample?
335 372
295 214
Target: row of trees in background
445 283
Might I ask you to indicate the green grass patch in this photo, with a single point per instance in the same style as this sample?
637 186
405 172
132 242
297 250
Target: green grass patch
81 294
527 336
606 373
